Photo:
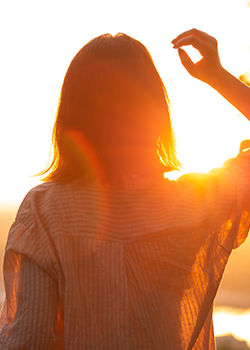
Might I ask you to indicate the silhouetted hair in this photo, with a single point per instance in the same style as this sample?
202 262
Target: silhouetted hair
113 117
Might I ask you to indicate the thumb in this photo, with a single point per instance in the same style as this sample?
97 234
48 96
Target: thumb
187 62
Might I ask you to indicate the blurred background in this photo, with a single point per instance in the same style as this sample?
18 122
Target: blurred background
38 41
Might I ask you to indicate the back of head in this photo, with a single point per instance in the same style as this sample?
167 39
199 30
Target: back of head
113 117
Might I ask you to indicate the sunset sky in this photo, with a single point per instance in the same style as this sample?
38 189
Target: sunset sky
39 39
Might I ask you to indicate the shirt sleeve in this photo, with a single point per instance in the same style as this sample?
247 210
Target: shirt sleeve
234 178
223 199
31 314
30 310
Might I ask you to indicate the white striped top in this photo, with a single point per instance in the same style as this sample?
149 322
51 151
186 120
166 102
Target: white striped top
131 267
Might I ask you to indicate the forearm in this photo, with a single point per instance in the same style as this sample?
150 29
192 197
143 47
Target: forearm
234 91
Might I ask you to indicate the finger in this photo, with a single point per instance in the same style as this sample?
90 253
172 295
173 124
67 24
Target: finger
197 43
193 32
186 61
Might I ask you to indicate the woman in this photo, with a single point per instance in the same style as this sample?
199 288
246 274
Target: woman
107 254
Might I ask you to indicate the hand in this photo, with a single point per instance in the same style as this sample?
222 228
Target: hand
208 69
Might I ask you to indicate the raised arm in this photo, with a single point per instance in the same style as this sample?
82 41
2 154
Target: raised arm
210 70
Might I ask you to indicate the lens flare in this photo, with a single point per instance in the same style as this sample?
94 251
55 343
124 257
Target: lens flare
83 153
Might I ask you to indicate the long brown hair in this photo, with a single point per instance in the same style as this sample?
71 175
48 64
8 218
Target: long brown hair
113 117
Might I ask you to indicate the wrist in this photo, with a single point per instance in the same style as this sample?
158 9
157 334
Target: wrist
218 78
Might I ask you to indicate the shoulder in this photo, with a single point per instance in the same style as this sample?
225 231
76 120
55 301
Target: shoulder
44 197
51 189
36 193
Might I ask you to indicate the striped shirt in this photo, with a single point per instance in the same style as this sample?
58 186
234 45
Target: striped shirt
130 267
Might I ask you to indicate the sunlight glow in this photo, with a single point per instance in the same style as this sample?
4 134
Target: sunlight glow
232 321
207 128
41 38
